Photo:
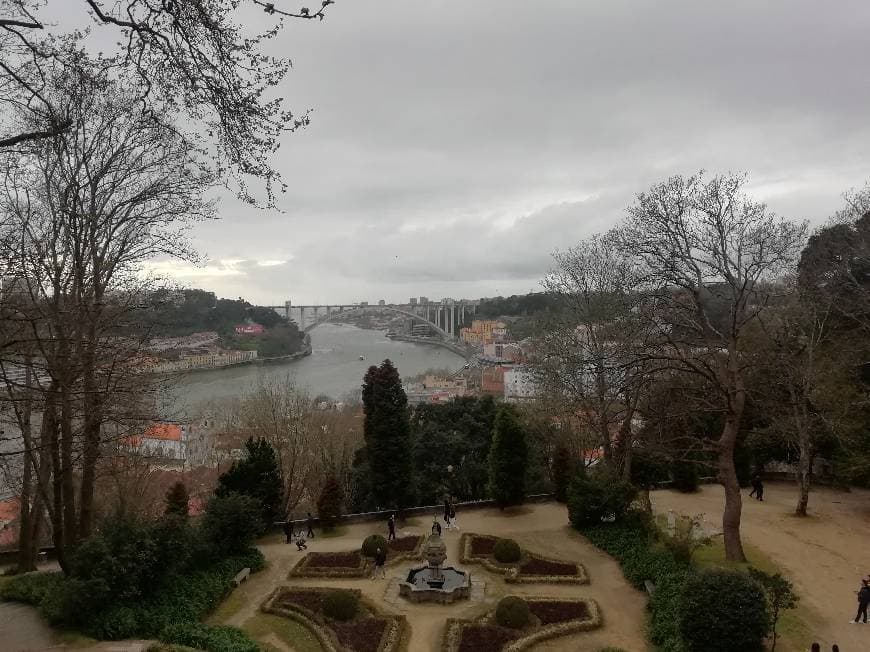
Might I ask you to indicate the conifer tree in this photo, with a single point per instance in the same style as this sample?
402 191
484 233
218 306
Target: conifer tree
508 459
177 499
329 503
387 432
257 476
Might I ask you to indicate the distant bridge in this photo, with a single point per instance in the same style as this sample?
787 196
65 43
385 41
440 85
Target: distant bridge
445 317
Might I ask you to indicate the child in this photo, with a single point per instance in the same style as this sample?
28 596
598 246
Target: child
300 542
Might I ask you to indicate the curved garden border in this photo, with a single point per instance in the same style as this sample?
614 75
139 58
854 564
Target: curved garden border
307 566
391 639
512 571
453 631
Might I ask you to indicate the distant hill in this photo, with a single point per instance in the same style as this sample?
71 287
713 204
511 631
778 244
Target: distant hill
180 312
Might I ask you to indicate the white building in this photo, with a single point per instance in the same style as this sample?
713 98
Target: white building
519 384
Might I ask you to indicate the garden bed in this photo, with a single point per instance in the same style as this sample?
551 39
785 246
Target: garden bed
552 617
369 631
353 563
531 568
332 564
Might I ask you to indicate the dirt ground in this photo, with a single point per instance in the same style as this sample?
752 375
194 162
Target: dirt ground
541 528
825 555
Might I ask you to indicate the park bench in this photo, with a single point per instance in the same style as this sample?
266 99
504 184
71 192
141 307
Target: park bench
41 557
649 586
241 576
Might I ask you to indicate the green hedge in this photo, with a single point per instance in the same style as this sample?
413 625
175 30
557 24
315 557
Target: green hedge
182 599
210 639
632 543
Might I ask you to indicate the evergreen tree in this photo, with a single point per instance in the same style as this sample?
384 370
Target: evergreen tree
387 432
562 472
508 459
329 503
177 499
257 476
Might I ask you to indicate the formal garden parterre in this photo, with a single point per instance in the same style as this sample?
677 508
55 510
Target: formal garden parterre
361 628
357 563
544 618
520 565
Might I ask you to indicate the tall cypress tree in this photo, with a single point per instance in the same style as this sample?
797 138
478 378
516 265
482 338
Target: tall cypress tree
387 432
508 459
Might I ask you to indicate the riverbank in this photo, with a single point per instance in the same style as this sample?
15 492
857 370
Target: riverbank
450 346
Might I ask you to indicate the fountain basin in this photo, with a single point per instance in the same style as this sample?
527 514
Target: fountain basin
443 585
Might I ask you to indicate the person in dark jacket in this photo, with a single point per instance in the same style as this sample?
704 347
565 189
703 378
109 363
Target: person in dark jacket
391 527
380 560
436 526
757 487
309 523
863 602
288 530
446 511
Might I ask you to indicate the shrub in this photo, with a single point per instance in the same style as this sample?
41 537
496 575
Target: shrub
507 551
371 544
598 495
684 474
231 523
562 471
512 612
340 605
329 503
31 588
722 611
210 639
508 459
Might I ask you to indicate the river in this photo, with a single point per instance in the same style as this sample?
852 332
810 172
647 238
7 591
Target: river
333 368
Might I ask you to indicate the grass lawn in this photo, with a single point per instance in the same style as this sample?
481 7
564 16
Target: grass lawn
289 632
228 608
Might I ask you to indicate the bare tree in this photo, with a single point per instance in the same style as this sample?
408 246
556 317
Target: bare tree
588 357
192 59
83 211
709 252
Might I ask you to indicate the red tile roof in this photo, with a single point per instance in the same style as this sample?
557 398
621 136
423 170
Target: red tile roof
164 431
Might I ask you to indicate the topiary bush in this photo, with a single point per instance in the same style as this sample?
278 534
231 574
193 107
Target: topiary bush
684 474
597 495
340 605
722 611
513 612
371 544
507 551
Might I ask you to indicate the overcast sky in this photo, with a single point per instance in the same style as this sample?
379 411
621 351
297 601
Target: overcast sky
455 145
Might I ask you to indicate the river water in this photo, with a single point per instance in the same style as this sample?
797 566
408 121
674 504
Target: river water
333 368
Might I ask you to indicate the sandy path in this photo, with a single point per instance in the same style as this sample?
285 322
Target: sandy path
825 554
542 528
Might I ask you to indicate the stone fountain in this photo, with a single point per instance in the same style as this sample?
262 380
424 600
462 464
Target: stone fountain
435 582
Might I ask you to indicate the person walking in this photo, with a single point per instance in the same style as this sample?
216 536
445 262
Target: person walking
436 526
447 511
288 529
391 527
453 522
757 487
380 560
309 522
863 601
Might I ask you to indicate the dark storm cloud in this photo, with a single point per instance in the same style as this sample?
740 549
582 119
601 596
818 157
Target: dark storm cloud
455 145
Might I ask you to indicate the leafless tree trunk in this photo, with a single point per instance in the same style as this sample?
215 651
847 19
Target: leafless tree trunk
710 256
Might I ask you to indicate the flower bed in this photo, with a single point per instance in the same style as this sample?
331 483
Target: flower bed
553 617
331 564
531 568
369 631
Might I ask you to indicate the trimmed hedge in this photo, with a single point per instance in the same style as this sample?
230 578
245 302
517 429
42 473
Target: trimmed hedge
209 639
507 551
513 612
723 611
631 542
371 544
